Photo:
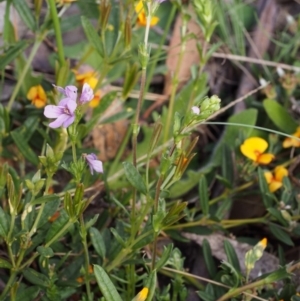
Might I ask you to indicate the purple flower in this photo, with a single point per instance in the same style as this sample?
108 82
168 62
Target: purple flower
87 93
196 110
68 91
93 163
64 113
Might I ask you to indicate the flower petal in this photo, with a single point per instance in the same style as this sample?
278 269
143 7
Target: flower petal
280 172
71 105
69 121
71 92
265 158
52 111
59 121
39 103
268 176
274 186
97 166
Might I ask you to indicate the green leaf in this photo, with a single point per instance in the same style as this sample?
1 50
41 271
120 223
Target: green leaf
91 222
24 148
45 251
3 223
36 278
209 261
105 284
92 36
277 214
134 177
45 199
247 117
11 53
203 195
164 258
25 13
231 255
27 294
98 242
281 235
280 116
4 264
58 225
264 188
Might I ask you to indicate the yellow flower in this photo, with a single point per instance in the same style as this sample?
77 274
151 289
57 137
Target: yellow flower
141 15
37 96
142 295
275 179
292 142
95 101
254 148
263 243
62 2
89 77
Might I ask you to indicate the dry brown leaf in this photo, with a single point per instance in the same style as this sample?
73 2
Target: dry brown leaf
191 57
267 263
107 138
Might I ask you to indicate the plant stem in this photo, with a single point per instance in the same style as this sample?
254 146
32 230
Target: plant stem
74 151
21 77
58 36
86 257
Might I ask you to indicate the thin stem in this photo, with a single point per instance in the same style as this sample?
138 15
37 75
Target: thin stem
58 36
8 285
21 77
74 151
86 257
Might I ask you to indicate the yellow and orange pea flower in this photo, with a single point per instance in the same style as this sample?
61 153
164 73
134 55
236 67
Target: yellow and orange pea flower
292 142
90 78
141 15
275 179
254 148
37 96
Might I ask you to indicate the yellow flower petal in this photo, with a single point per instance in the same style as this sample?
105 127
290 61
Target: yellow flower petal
154 21
274 186
268 176
139 7
142 295
95 101
280 172
37 95
253 147
265 158
291 142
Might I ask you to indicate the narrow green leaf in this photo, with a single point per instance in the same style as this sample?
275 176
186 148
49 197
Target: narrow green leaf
264 188
92 221
105 284
27 294
203 195
209 261
277 214
11 53
45 199
280 116
231 255
24 148
98 242
134 177
25 13
164 258
92 36
36 278
281 235
4 264
3 223
58 225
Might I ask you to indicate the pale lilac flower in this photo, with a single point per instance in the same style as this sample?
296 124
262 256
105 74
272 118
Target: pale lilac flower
87 93
68 91
94 164
64 113
196 110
